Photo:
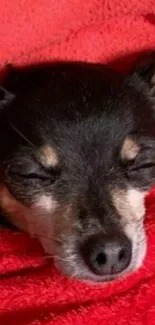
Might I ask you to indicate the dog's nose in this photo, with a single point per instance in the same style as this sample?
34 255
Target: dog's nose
107 255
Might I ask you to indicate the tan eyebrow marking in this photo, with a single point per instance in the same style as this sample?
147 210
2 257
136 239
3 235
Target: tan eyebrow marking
48 156
130 149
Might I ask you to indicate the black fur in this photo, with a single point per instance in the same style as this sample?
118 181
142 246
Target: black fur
84 111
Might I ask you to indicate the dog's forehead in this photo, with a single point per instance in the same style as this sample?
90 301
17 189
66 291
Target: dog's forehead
95 139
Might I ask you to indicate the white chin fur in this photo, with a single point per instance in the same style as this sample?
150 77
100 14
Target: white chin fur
72 263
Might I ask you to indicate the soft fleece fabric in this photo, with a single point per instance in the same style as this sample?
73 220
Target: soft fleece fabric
32 292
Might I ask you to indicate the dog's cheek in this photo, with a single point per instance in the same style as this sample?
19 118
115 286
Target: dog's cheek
65 221
15 212
129 204
55 225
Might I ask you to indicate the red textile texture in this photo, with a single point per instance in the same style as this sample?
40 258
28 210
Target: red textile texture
32 292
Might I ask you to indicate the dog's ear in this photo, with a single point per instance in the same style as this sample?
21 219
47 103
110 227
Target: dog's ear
144 74
5 97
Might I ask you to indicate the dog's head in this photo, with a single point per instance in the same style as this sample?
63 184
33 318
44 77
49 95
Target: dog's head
77 158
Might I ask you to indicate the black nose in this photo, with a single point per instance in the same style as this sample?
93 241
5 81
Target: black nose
107 255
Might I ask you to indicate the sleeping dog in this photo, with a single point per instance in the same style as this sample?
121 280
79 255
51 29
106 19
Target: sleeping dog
77 157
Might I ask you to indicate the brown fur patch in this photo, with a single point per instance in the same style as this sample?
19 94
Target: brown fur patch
130 149
48 156
13 210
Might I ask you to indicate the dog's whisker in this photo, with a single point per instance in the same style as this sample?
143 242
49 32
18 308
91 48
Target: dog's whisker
66 258
46 237
49 256
22 135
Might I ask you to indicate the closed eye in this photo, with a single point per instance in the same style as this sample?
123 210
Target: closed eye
42 176
30 169
141 166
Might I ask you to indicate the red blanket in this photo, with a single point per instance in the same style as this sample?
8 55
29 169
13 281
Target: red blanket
31 290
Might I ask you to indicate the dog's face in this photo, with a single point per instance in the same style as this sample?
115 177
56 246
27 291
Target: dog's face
77 159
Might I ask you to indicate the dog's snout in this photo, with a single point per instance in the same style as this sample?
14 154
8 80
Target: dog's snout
107 255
